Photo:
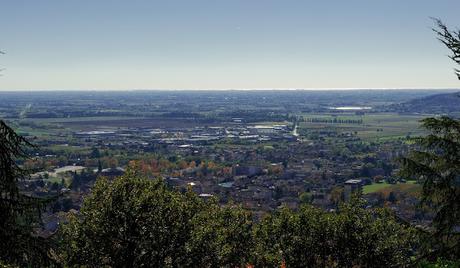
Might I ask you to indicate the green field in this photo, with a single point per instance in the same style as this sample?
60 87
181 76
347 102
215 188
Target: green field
375 187
375 127
372 188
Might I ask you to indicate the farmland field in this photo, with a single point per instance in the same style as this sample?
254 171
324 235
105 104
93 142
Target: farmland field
134 122
367 189
43 126
374 127
376 187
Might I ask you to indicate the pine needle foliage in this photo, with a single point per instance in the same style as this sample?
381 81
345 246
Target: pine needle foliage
19 213
436 164
451 39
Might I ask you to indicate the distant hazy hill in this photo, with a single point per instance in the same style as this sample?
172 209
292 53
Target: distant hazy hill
446 103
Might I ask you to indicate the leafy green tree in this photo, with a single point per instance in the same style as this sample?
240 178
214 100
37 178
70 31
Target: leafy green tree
440 263
130 222
305 198
221 237
19 212
352 237
95 153
135 222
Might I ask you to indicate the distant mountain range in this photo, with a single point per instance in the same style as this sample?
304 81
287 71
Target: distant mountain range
445 103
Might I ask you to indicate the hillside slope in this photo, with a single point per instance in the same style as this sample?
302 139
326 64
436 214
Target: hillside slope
446 103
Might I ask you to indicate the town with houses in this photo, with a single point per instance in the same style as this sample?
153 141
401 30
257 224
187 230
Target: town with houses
262 151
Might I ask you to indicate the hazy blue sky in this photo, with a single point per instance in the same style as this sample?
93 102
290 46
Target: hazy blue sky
224 44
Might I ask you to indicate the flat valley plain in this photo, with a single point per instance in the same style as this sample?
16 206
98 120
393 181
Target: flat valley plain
262 149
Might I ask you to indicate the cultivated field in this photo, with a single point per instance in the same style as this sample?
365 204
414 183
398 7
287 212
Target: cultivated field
374 127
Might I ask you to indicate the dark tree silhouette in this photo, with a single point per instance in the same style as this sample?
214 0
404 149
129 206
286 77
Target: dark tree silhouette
18 212
436 164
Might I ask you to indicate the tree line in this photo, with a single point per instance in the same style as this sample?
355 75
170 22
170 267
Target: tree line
134 221
334 120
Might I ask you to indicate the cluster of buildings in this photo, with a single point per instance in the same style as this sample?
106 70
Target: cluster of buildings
270 166
187 136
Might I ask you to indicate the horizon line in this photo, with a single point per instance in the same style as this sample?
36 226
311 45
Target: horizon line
227 89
